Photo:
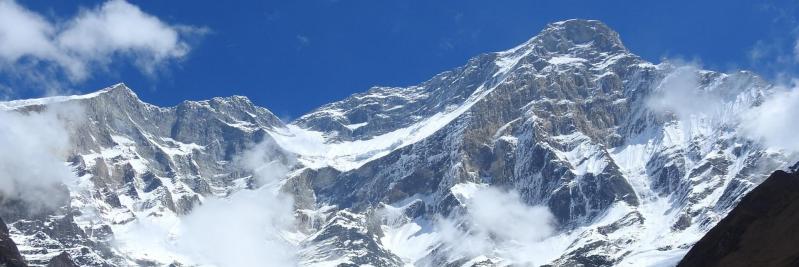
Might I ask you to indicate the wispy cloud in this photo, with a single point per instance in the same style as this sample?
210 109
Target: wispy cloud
679 93
75 48
303 40
796 51
764 116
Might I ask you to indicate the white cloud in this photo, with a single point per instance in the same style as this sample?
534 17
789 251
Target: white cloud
24 33
247 228
34 148
89 41
499 223
268 162
679 93
499 213
770 122
774 120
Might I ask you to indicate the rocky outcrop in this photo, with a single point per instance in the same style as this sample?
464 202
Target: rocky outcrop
760 231
62 260
9 254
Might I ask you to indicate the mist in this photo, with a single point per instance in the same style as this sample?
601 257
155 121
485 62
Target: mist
249 227
765 118
499 223
773 122
246 229
679 93
35 148
490 222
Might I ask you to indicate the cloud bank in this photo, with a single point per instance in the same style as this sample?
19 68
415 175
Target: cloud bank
90 41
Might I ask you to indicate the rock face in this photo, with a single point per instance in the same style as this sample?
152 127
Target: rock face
760 231
62 260
9 254
562 121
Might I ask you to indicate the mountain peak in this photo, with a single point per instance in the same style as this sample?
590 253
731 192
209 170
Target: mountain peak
119 90
578 32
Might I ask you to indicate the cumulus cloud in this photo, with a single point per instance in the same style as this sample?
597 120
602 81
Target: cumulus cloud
87 42
35 146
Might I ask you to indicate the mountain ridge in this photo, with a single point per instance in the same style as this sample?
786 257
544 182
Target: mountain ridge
561 121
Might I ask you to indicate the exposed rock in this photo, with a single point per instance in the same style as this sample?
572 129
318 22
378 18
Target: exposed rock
9 254
62 260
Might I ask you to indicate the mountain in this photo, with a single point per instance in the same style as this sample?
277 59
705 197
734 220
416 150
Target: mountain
757 232
550 153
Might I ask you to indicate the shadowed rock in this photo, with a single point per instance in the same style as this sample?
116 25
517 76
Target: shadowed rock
62 260
9 254
760 231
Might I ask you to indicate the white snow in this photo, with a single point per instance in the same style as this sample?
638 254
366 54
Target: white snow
464 191
15 104
178 148
563 60
408 241
316 151
506 60
585 157
356 125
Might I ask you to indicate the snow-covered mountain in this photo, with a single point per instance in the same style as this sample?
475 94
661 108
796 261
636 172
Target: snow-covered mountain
567 150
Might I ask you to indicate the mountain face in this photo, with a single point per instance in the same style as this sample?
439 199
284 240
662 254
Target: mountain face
549 153
757 232
9 253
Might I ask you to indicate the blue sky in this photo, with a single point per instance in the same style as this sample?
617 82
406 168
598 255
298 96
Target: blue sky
292 56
